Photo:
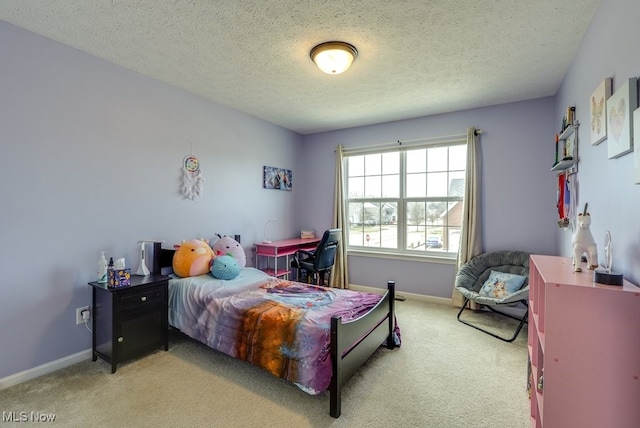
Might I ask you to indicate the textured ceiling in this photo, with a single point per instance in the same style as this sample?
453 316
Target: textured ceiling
416 57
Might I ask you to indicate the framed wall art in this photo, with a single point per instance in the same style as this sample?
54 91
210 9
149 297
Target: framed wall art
277 178
620 107
599 112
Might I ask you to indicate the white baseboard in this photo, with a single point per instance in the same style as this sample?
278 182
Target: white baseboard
44 369
412 296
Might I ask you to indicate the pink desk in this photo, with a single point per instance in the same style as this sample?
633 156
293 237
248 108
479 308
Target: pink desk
268 254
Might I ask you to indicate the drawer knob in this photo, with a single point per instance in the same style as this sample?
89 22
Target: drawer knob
143 298
120 339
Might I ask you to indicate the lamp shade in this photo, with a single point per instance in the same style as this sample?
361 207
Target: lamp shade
334 57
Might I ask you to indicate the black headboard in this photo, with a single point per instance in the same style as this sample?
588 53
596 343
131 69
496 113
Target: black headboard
165 258
162 258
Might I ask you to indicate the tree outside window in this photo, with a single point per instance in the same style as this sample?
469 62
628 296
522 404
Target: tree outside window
407 201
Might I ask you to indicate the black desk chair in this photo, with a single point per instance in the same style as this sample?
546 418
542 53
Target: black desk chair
320 261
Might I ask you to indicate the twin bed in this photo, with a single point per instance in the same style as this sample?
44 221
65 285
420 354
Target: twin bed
315 337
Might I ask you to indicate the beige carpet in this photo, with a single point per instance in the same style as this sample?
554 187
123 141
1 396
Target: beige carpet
445 374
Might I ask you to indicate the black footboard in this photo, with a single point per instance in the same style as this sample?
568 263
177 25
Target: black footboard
354 342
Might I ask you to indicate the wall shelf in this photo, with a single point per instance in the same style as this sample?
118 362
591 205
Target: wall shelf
564 164
567 150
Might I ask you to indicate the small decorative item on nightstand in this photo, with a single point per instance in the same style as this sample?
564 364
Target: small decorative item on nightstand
102 269
119 277
143 270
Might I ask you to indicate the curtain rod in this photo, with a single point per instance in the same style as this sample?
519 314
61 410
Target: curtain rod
442 139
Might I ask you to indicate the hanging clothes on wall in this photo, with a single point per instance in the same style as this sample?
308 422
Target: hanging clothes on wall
564 200
560 195
570 199
567 197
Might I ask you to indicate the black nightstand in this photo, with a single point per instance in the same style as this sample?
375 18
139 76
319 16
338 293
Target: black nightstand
130 321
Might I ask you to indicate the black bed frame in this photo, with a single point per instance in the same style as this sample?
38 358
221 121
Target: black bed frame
352 342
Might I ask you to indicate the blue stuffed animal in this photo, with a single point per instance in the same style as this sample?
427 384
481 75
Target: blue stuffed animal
225 267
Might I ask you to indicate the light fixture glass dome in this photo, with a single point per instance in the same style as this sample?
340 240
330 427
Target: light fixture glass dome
334 57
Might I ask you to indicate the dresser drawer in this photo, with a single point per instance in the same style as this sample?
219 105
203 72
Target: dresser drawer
142 300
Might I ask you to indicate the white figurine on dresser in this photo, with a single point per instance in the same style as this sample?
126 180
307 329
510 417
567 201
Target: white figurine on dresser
583 242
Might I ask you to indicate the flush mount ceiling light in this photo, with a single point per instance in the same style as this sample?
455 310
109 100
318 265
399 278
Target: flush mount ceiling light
334 57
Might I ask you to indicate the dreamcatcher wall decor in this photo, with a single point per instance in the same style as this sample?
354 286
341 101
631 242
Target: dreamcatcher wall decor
192 178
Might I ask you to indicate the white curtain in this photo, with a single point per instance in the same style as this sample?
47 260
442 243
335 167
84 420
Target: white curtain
340 271
471 235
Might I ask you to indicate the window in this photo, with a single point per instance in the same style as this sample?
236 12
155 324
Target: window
407 200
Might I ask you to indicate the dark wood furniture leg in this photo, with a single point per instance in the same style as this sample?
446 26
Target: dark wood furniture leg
352 343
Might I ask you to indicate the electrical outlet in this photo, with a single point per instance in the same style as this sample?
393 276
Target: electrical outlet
79 319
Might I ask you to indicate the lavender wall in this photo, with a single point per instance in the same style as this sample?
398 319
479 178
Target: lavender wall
90 158
518 190
609 49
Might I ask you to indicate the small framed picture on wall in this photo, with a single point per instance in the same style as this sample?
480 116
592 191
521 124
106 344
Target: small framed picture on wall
277 178
620 107
599 112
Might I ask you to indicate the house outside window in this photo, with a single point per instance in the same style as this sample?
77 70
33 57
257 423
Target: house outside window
407 201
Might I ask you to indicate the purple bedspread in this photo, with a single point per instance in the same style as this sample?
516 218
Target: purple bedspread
279 325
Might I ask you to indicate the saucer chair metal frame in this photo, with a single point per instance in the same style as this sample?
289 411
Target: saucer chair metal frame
474 273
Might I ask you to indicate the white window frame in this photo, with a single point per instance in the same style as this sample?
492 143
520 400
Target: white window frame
402 201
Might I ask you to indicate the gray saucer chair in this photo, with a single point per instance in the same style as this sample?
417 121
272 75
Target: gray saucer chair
473 274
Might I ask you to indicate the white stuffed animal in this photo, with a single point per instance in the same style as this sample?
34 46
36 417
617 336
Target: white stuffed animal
583 242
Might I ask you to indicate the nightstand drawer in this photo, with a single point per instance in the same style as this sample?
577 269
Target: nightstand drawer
141 299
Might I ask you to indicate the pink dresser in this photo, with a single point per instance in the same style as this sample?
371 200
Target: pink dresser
584 339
